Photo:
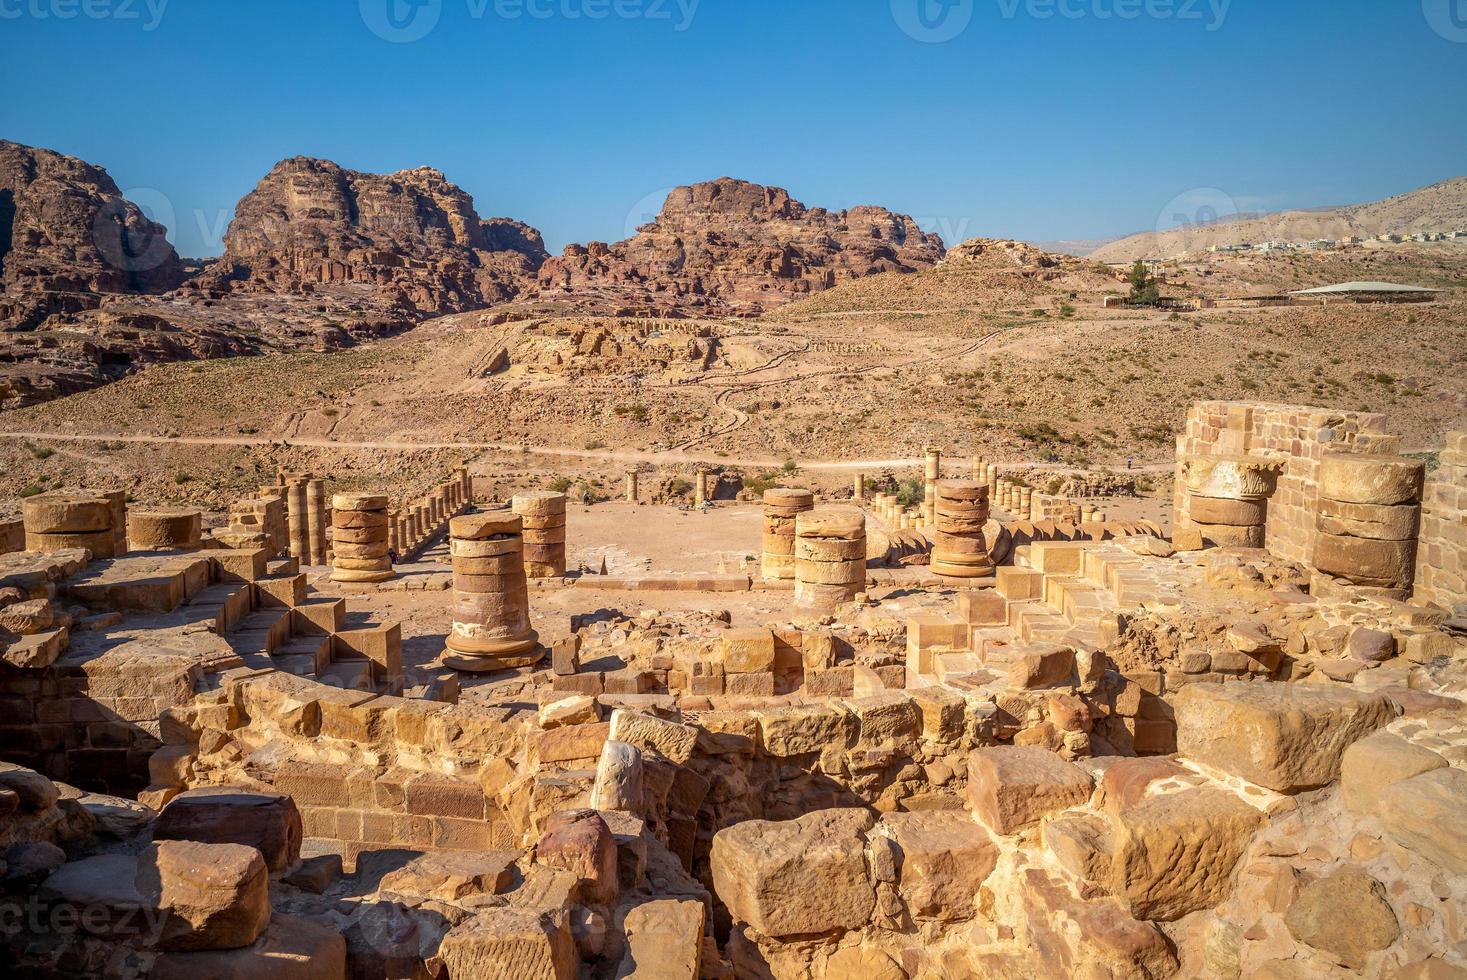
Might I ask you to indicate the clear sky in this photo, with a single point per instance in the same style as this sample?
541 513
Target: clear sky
1036 119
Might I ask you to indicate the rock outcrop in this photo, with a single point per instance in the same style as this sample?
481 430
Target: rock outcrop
413 236
67 234
732 246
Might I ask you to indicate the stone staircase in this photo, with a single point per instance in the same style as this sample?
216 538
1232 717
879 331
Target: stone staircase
1055 592
262 609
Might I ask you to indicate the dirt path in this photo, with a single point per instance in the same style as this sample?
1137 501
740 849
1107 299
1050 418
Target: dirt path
629 456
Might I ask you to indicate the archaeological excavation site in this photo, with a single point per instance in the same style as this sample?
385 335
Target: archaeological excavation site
733 490
985 732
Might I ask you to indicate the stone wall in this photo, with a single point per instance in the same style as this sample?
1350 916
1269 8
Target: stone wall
1441 554
1298 435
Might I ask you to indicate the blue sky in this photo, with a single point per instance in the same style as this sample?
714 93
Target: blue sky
1036 119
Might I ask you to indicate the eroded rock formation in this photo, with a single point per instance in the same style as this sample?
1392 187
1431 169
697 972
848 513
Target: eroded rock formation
732 245
413 236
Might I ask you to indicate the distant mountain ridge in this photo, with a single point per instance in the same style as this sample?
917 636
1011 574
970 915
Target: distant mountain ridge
1439 207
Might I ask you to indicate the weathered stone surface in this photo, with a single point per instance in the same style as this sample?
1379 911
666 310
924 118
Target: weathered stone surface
452 875
1369 479
214 896
512 944
1377 762
618 783
1428 815
792 877
664 940
943 859
1011 787
579 841
801 728
292 948
268 822
1283 736
1174 853
1344 914
1042 665
1370 646
666 738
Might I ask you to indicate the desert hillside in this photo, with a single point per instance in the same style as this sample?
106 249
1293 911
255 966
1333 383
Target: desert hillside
1441 207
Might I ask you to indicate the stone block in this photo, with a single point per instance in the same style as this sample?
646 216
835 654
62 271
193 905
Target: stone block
1012 787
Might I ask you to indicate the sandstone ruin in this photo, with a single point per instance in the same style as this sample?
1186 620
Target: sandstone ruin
984 732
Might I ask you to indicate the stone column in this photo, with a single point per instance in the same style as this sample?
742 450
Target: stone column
830 557
1227 499
61 521
164 528
633 491
781 506
295 504
1367 519
316 518
1026 503
700 488
491 603
991 478
359 535
542 515
118 500
394 535
858 487
959 547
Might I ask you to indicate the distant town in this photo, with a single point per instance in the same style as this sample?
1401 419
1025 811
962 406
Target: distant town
1320 244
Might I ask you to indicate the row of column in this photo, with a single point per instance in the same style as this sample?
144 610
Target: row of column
412 526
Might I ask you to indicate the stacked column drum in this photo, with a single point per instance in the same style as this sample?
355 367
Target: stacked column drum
59 521
782 506
959 548
1227 499
1367 519
359 538
164 528
543 515
491 601
830 557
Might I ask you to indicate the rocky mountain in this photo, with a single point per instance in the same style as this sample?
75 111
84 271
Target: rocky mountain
412 236
1441 207
733 246
67 235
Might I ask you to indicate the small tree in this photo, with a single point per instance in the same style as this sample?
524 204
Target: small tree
1144 291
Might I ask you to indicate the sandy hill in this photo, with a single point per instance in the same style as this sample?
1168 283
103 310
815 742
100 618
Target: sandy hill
1439 207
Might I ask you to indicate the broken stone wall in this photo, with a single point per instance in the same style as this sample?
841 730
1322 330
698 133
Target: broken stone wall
1297 434
1441 553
